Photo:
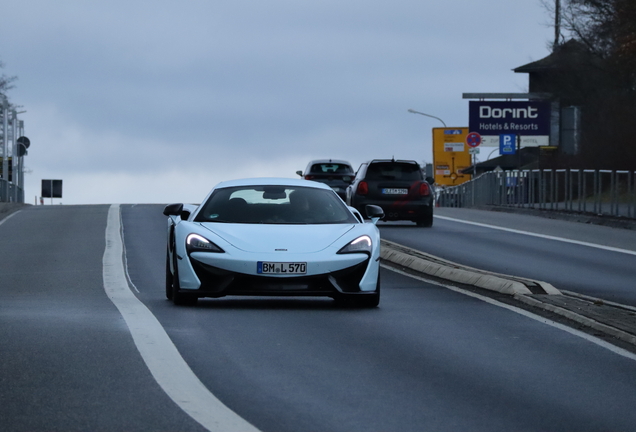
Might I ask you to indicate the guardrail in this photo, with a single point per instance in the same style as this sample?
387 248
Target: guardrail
601 192
10 192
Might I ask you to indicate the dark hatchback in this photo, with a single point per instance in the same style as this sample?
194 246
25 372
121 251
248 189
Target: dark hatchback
398 186
337 174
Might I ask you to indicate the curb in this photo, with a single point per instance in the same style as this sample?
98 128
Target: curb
588 322
520 289
438 267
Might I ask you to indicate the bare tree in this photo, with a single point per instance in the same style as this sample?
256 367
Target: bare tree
591 22
6 82
625 50
607 30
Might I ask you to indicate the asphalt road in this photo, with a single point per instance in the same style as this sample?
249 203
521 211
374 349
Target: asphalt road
428 358
67 360
593 260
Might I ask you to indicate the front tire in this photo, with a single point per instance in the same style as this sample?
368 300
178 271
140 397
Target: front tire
169 277
179 298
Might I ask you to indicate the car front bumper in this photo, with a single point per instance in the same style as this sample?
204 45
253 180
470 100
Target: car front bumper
218 275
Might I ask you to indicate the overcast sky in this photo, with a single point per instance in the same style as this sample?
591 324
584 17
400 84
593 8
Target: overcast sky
157 101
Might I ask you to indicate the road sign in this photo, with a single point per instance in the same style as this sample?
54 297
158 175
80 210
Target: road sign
530 120
51 189
527 118
473 150
507 144
24 141
454 147
473 139
450 156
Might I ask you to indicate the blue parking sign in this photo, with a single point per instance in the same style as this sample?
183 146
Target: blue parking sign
507 144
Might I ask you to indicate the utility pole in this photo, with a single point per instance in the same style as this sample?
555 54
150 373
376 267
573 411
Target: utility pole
557 24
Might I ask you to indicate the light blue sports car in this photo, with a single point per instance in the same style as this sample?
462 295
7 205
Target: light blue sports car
273 237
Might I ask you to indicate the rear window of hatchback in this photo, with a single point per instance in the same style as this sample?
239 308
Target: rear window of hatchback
331 168
393 171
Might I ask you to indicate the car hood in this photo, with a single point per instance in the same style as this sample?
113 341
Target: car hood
270 237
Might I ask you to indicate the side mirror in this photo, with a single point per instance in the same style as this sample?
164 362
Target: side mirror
300 173
430 180
173 210
375 213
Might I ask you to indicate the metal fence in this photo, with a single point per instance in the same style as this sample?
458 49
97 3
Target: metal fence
10 192
601 192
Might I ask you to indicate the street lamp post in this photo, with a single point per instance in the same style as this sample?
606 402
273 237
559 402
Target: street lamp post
412 111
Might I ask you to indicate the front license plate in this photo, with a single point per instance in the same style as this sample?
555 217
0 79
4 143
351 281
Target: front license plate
263 267
395 191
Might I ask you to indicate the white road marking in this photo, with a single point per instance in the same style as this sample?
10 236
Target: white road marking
523 312
165 363
123 236
9 217
561 239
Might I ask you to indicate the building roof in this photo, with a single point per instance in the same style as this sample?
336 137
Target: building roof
571 52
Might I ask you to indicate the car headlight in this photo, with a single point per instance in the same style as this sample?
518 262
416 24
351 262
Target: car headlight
361 244
198 243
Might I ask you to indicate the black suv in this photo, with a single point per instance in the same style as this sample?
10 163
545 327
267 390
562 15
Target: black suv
337 174
399 187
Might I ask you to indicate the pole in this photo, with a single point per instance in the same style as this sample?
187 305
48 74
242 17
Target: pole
412 111
4 186
474 176
21 163
14 154
557 24
519 151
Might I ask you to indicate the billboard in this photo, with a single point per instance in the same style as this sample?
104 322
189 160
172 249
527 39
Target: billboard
530 120
51 189
450 156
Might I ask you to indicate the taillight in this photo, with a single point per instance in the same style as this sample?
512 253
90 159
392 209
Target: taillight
425 190
309 177
363 188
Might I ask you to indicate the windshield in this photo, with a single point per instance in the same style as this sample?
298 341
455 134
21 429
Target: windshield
275 205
